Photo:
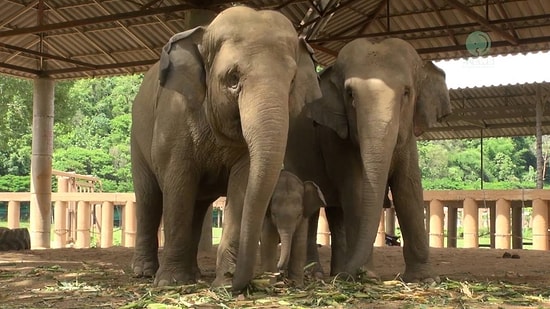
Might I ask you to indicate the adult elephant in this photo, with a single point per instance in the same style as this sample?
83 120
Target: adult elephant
377 98
210 119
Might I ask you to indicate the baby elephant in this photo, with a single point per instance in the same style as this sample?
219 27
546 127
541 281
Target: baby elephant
292 203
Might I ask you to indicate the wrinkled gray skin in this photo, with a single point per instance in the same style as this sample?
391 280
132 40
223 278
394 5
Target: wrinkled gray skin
292 203
210 119
376 99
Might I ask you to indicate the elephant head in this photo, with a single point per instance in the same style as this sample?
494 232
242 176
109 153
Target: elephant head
244 66
379 96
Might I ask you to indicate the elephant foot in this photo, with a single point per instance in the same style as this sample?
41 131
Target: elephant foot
421 273
173 276
223 281
314 270
145 265
363 274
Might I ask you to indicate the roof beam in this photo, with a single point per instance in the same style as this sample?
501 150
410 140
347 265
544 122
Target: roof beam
324 49
442 20
480 19
19 68
46 55
372 17
428 29
29 6
125 29
544 39
121 65
525 124
327 13
95 20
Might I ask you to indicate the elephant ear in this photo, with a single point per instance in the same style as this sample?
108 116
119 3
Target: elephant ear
433 102
181 67
329 110
306 83
313 198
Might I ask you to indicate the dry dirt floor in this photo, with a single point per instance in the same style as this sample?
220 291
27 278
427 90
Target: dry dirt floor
101 278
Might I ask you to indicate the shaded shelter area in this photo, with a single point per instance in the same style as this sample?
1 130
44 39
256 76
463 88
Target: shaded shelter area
64 39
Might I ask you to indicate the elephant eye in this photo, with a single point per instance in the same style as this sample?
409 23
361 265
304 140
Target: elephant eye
232 80
349 95
349 92
407 91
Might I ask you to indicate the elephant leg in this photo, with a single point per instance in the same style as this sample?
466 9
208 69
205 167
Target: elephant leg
180 248
298 254
226 260
148 214
201 208
407 193
335 218
312 255
268 244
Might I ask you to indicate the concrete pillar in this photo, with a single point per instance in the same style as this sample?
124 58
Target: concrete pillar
492 224
129 224
14 214
437 217
517 228
540 224
380 240
323 231
390 220
452 218
161 234
471 224
205 243
41 163
107 219
502 224
83 224
60 215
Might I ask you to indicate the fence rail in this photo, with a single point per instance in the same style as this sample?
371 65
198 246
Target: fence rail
504 208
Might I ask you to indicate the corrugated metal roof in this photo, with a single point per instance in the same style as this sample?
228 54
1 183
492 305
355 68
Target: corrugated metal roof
505 110
78 38
82 38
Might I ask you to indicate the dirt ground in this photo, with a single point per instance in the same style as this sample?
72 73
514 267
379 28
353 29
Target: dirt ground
101 278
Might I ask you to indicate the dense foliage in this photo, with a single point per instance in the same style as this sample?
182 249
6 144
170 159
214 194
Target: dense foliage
91 130
92 137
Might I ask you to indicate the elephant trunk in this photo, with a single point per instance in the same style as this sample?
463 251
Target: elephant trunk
286 245
377 129
264 122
